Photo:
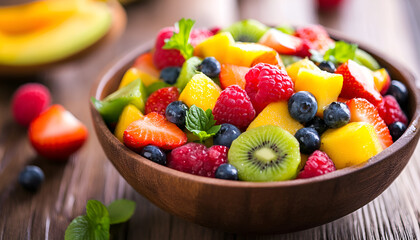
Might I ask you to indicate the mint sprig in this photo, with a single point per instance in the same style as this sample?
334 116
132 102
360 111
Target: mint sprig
179 40
96 223
340 53
201 123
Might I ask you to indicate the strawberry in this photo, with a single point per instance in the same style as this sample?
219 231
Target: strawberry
363 111
285 44
390 111
358 83
155 130
316 36
56 133
160 99
163 58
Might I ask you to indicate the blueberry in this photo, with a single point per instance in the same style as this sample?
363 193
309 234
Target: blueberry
308 139
31 177
318 124
226 171
327 66
210 67
226 135
170 74
154 154
176 112
399 91
302 106
336 115
396 129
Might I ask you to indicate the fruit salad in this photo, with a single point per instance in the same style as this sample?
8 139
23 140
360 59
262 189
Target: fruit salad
255 103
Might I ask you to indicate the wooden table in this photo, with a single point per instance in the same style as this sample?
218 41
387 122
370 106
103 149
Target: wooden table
389 25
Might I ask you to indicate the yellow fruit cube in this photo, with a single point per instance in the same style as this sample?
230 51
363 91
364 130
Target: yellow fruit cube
350 145
128 115
293 69
200 91
276 114
135 73
243 54
215 46
325 86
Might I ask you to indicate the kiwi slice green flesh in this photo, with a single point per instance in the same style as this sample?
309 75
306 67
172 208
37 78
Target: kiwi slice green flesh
266 153
366 60
188 70
248 30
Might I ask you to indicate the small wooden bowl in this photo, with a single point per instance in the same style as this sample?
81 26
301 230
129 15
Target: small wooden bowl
251 207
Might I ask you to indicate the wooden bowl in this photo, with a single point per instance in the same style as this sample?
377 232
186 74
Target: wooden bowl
251 207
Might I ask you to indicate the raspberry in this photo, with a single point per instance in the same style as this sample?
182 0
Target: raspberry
267 83
159 100
234 106
196 159
29 101
318 164
317 37
390 111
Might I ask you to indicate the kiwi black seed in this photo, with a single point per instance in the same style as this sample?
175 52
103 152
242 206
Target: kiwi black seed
266 153
248 30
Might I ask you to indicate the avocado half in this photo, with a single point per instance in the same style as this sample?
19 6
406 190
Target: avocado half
59 41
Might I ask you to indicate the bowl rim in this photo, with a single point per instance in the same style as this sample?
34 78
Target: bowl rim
411 132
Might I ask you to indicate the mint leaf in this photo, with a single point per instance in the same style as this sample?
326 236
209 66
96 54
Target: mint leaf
201 123
94 225
179 40
341 52
121 210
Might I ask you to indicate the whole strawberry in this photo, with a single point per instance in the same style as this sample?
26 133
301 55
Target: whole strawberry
56 133
29 101
196 159
234 106
160 99
266 83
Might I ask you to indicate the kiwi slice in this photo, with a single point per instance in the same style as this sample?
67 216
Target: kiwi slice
248 30
266 153
111 107
366 60
188 70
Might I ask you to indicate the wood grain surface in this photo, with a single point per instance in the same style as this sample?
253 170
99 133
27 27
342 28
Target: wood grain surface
386 25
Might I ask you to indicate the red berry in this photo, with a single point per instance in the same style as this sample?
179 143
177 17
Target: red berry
267 83
234 106
196 159
390 111
160 99
317 164
316 36
29 101
163 58
56 133
155 130
358 82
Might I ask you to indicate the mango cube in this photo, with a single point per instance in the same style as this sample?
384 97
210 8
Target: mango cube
200 91
350 145
325 86
128 115
215 46
293 69
243 54
276 114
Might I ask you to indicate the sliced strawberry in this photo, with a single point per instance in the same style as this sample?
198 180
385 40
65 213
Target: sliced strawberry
284 43
155 130
390 111
363 111
163 58
317 37
358 82
159 100
56 133
232 75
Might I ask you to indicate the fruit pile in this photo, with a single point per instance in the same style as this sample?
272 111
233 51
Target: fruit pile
254 103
